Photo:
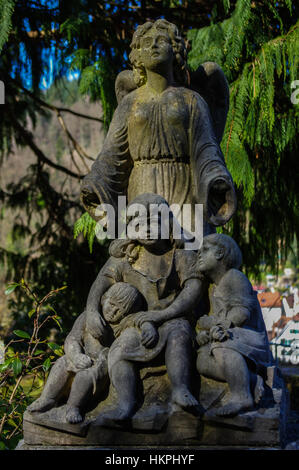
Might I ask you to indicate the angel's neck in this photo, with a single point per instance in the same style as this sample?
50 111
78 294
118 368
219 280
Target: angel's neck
159 82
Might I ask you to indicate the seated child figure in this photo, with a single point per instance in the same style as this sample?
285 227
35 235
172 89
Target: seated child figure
233 340
85 359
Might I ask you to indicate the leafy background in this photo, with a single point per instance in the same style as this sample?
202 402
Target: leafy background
59 61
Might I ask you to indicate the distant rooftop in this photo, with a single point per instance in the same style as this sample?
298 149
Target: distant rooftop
269 299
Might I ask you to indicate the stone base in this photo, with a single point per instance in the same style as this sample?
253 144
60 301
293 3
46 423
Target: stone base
22 446
263 427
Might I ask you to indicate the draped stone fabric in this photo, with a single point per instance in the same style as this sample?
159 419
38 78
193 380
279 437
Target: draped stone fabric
166 145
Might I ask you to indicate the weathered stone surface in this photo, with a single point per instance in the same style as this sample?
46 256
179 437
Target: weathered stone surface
263 427
139 326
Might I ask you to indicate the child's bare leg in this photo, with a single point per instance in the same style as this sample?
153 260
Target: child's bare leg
124 380
80 393
177 358
53 388
236 373
208 366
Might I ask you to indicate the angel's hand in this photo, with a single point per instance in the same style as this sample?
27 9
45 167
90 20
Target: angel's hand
221 185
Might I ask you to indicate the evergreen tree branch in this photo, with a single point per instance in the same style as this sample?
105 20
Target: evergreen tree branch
71 139
27 138
6 9
57 109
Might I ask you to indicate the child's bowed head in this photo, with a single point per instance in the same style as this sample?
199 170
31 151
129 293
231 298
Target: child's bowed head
120 300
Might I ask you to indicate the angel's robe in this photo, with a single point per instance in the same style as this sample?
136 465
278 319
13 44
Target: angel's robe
163 144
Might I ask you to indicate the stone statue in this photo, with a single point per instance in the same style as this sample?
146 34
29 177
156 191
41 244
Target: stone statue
162 138
133 373
233 341
164 275
85 359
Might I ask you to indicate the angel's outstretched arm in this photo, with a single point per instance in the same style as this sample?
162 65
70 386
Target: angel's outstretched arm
213 182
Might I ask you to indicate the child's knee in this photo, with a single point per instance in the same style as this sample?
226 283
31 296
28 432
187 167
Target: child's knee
203 360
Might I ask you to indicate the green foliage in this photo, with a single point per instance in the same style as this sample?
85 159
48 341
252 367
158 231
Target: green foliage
26 361
95 81
6 11
254 42
257 47
41 246
86 225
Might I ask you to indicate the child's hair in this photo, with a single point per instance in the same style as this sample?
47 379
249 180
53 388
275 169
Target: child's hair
128 296
232 257
129 249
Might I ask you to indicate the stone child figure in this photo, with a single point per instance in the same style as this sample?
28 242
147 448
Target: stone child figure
161 272
85 359
233 340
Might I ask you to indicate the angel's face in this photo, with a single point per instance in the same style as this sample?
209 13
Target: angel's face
156 49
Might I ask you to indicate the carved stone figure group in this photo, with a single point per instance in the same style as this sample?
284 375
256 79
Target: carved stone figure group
148 304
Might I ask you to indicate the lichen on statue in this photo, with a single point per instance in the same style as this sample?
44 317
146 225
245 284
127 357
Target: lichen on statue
162 138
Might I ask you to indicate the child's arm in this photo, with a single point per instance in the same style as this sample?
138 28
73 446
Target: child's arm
238 315
149 334
184 302
73 345
94 320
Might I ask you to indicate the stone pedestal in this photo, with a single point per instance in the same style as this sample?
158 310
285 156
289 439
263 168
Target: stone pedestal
166 425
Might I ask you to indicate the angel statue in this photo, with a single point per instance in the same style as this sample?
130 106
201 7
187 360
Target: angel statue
165 133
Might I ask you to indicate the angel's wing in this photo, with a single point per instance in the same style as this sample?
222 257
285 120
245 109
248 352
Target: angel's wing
124 84
210 82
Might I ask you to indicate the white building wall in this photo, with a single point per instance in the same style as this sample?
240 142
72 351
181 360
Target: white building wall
288 352
271 316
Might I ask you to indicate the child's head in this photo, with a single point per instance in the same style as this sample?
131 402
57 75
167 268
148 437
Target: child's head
218 248
120 300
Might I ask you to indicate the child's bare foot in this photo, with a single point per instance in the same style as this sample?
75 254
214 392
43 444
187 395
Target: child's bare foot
183 397
73 415
233 405
259 389
41 405
120 413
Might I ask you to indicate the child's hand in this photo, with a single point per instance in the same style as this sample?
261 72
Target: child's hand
203 338
218 333
81 361
149 316
206 322
149 335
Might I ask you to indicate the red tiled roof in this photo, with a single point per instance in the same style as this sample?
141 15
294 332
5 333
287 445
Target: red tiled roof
269 299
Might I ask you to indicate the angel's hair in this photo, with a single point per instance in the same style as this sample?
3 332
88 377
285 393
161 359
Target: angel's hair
126 295
178 46
232 257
